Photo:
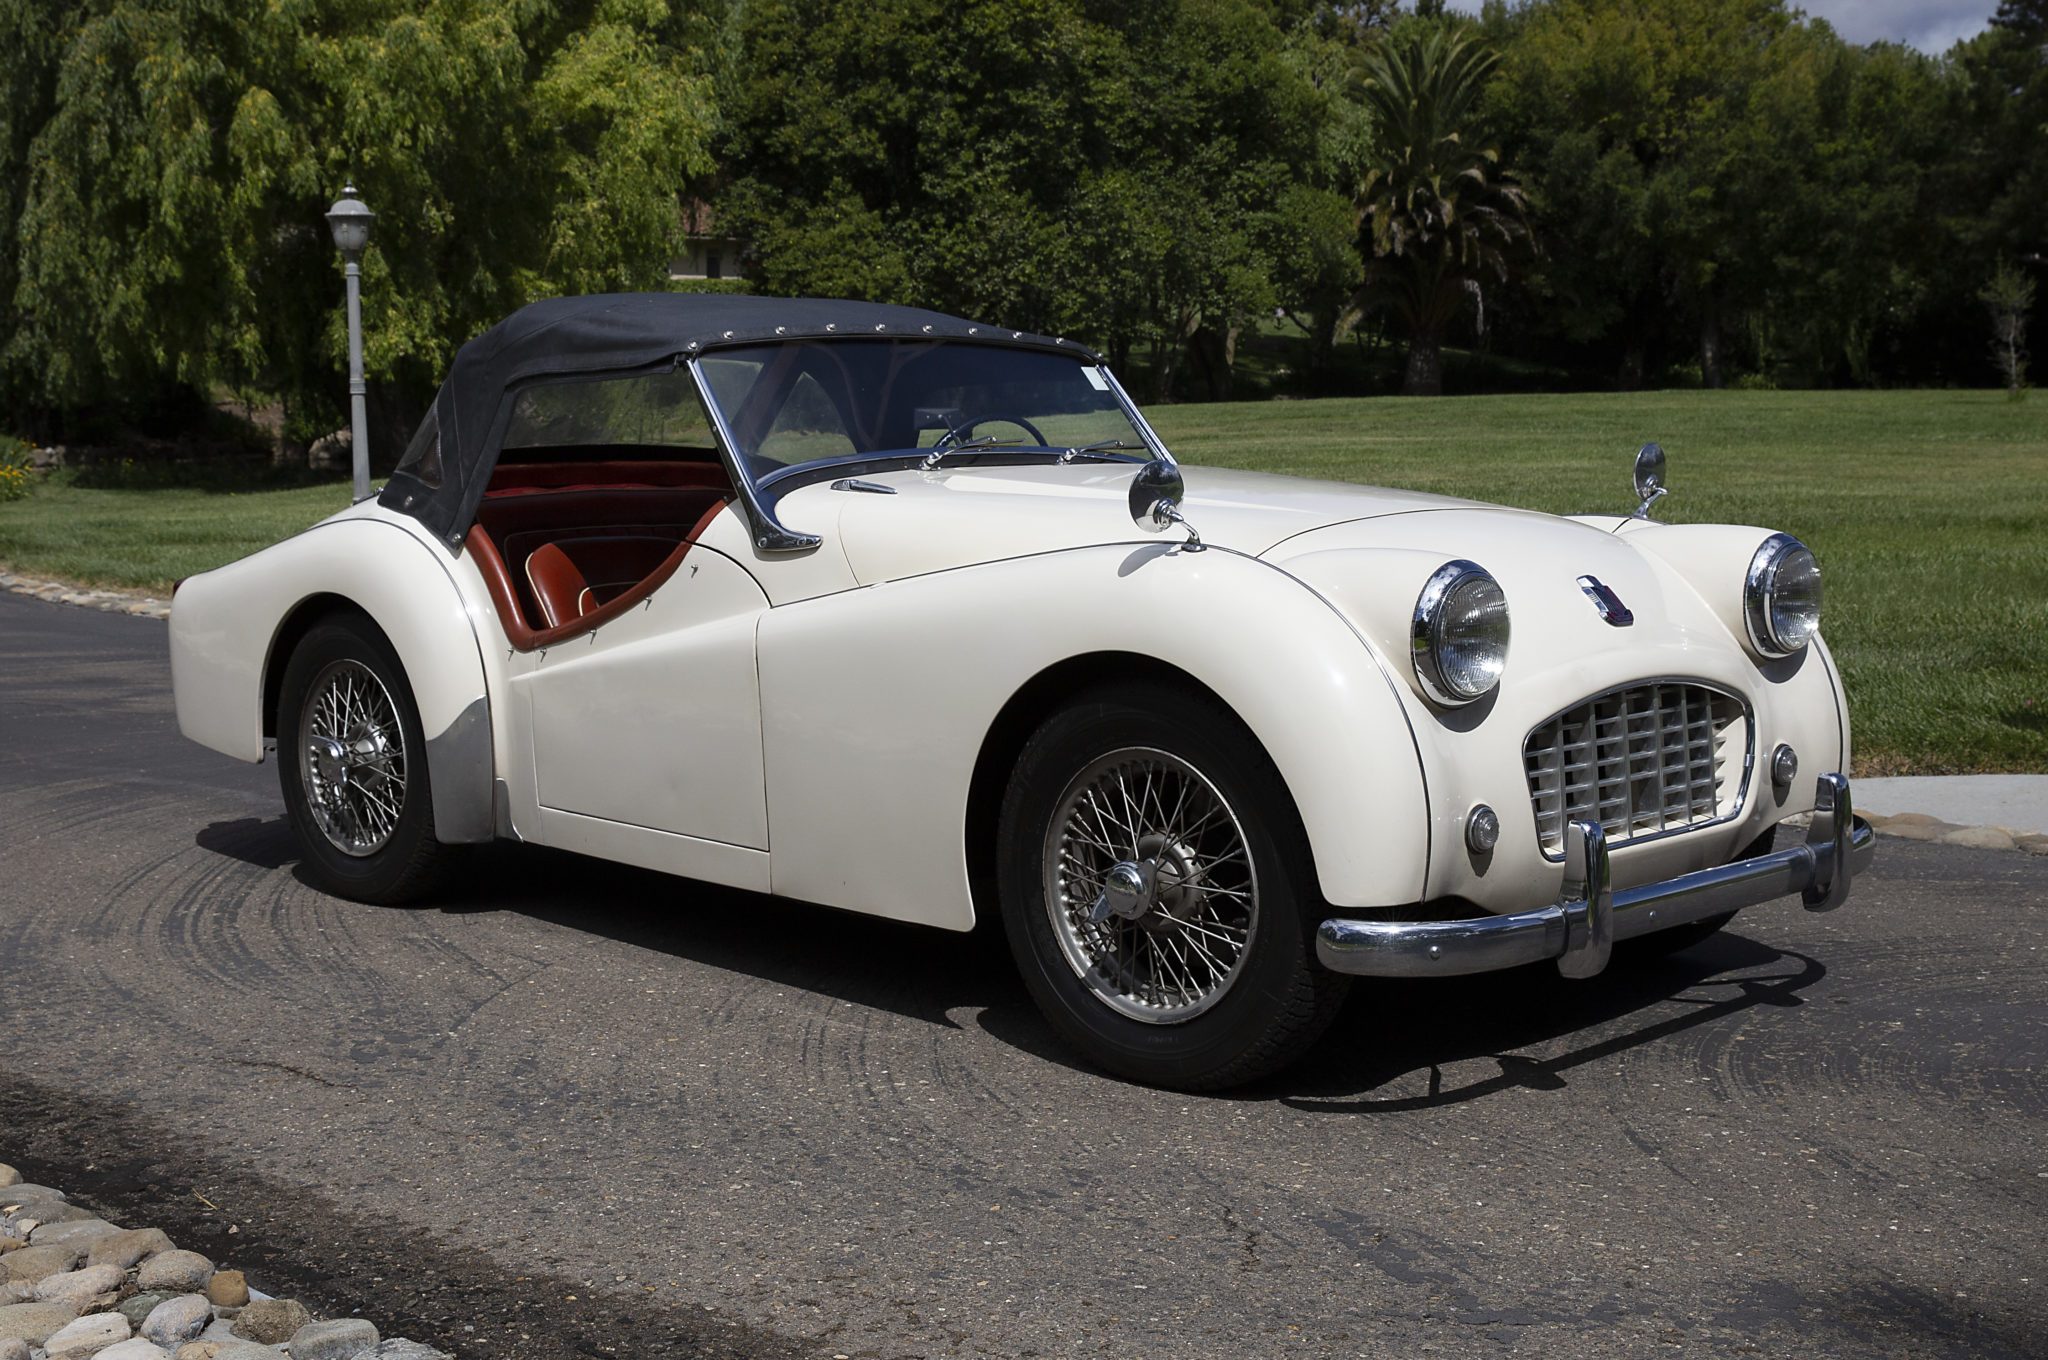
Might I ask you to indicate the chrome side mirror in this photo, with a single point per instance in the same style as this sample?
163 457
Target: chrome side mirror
1650 487
1156 494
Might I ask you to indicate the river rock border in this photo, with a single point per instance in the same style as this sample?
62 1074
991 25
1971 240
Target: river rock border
76 1287
63 592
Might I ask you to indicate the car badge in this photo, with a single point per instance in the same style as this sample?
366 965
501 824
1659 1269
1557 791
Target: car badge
1606 601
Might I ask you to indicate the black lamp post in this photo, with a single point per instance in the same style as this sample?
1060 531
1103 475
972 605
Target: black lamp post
350 221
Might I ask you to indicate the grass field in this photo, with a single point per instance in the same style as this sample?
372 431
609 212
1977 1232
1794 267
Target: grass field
1928 510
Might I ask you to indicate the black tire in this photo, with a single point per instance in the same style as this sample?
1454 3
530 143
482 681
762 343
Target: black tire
409 861
1276 1001
1686 936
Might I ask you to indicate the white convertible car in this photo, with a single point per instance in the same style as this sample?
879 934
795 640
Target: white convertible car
917 617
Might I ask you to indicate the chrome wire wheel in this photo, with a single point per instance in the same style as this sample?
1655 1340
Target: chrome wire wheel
1150 885
352 758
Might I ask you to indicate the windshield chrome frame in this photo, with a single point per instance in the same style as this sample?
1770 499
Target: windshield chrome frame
772 536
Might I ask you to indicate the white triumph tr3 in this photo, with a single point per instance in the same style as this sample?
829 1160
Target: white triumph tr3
883 609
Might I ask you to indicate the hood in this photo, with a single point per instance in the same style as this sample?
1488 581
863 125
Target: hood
955 517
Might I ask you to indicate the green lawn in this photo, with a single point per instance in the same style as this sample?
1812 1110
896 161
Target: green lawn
1929 511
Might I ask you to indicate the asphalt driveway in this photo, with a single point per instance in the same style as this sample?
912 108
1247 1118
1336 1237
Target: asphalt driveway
580 1110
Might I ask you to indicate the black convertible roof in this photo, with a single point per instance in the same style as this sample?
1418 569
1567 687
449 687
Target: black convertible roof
613 331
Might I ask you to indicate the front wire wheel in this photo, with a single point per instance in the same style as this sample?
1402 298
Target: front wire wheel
1175 950
1157 891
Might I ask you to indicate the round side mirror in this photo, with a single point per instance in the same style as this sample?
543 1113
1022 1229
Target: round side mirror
1650 472
1155 491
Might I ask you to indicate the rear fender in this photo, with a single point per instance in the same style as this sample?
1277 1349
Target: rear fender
232 630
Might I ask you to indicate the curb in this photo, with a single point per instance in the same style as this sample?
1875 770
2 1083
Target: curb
63 592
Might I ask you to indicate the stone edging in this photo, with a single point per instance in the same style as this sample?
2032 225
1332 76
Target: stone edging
62 592
75 1287
1918 826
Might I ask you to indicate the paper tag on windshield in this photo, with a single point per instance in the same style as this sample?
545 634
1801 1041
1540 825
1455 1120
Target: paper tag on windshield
1096 380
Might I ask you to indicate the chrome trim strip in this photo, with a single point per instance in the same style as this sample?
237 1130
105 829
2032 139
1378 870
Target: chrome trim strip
1137 417
1838 846
770 535
1741 792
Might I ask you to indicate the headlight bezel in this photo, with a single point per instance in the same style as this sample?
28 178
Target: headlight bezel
1760 591
1426 636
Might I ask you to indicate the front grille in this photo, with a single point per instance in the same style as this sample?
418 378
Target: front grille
1641 761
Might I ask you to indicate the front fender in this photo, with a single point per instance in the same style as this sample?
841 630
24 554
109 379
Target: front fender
230 629
876 702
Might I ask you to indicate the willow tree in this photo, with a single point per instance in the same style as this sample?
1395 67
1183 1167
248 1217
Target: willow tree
165 164
1438 215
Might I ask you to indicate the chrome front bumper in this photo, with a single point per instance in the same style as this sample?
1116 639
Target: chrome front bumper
1580 928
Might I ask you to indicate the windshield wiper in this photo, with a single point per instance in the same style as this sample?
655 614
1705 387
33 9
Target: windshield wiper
1101 446
942 448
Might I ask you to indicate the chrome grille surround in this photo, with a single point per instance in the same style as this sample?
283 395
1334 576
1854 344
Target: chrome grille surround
1645 760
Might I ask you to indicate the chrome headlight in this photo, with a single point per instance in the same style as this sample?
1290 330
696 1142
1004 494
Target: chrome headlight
1781 596
1459 639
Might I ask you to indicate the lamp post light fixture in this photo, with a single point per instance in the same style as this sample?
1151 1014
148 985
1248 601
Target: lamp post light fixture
350 221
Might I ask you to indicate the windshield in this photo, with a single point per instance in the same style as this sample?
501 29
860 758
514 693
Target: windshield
815 401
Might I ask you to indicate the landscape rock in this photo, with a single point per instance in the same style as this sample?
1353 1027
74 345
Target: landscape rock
1979 838
16 1291
337 1339
77 1286
34 1263
2033 843
136 1307
247 1350
126 1247
197 1350
14 1348
176 1321
401 1349
8 1175
227 1289
134 1349
78 1233
181 1272
272 1321
88 1335
24 1192
33 1322
1929 830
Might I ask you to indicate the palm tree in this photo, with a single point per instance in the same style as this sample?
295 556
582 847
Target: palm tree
1436 212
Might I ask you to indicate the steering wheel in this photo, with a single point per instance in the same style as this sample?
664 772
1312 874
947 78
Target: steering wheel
945 441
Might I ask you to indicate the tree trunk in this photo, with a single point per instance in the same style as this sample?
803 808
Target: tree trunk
1425 376
1710 343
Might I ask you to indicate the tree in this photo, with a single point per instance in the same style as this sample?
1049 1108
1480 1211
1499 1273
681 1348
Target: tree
1104 172
2009 297
1439 215
168 198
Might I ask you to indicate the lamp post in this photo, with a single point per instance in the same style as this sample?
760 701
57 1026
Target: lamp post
350 222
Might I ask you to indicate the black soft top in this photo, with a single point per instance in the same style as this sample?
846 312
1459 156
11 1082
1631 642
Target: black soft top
614 331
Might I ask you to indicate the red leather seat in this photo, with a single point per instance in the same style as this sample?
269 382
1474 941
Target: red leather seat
573 577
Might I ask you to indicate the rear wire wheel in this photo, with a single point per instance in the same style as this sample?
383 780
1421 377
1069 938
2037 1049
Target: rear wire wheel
1157 891
352 765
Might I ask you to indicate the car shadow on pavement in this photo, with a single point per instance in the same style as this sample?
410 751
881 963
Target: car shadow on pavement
1387 1052
1377 1053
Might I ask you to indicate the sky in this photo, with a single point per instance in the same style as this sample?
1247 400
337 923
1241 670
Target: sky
1930 25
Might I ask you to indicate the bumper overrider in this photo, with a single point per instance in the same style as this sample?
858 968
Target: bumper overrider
1580 928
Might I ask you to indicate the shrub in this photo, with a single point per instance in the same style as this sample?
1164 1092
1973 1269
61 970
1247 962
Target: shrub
17 468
